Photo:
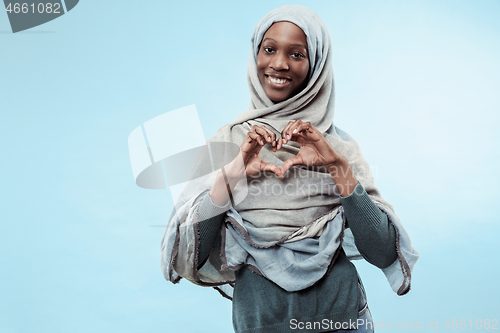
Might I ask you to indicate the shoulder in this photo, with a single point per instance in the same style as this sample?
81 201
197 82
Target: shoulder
342 141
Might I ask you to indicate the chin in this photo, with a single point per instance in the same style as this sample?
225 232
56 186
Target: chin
277 98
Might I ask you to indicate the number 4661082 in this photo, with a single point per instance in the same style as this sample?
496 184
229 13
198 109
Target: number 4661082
24 8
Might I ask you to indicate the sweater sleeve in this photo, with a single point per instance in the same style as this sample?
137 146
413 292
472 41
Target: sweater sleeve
210 217
374 235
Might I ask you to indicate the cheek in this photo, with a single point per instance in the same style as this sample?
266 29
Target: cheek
260 63
304 70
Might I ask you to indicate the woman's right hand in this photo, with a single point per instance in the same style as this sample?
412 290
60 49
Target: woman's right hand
248 161
256 138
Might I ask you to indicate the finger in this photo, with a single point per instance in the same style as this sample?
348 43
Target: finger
271 167
256 137
291 161
268 135
263 133
279 143
289 132
272 136
299 127
285 131
301 132
292 128
303 127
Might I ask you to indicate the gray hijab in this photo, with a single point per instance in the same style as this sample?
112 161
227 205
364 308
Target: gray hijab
271 213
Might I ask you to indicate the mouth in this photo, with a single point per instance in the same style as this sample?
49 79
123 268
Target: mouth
277 82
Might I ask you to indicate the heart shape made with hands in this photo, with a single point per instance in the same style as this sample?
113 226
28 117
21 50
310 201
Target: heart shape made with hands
315 150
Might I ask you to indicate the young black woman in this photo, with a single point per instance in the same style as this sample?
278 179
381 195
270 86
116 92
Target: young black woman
286 255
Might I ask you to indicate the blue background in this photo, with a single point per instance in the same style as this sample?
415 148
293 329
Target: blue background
417 85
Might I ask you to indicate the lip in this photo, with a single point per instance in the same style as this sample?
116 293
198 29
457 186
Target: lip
277 75
277 85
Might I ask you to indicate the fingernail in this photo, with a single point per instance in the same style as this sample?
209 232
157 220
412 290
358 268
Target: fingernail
295 130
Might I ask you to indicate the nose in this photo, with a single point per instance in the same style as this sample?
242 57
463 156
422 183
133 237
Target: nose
279 62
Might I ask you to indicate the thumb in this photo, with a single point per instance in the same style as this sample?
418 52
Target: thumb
271 167
291 161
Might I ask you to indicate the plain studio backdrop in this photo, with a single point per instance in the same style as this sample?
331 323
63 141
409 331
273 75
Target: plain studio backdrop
417 85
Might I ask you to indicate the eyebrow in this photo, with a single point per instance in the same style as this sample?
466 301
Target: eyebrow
300 45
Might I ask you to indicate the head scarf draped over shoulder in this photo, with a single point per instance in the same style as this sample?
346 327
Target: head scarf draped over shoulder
272 212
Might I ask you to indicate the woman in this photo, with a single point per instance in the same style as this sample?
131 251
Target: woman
307 204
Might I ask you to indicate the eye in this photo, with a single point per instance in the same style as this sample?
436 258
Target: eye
268 49
297 55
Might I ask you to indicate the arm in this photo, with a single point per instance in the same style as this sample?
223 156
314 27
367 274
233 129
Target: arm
217 202
177 255
210 217
374 235
246 163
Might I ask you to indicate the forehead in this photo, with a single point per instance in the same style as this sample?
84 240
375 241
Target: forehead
286 32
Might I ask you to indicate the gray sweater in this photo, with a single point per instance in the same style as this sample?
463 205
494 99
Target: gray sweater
261 306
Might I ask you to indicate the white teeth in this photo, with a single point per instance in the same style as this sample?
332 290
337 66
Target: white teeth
276 80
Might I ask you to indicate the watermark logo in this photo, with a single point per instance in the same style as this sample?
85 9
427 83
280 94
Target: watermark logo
170 150
25 15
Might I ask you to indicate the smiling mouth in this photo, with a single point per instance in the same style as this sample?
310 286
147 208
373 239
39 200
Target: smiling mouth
277 82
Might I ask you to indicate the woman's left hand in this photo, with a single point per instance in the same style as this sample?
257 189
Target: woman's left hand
315 150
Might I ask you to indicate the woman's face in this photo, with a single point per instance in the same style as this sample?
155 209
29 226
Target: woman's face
283 61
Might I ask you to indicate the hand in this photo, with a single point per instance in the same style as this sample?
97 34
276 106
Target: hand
248 161
315 150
